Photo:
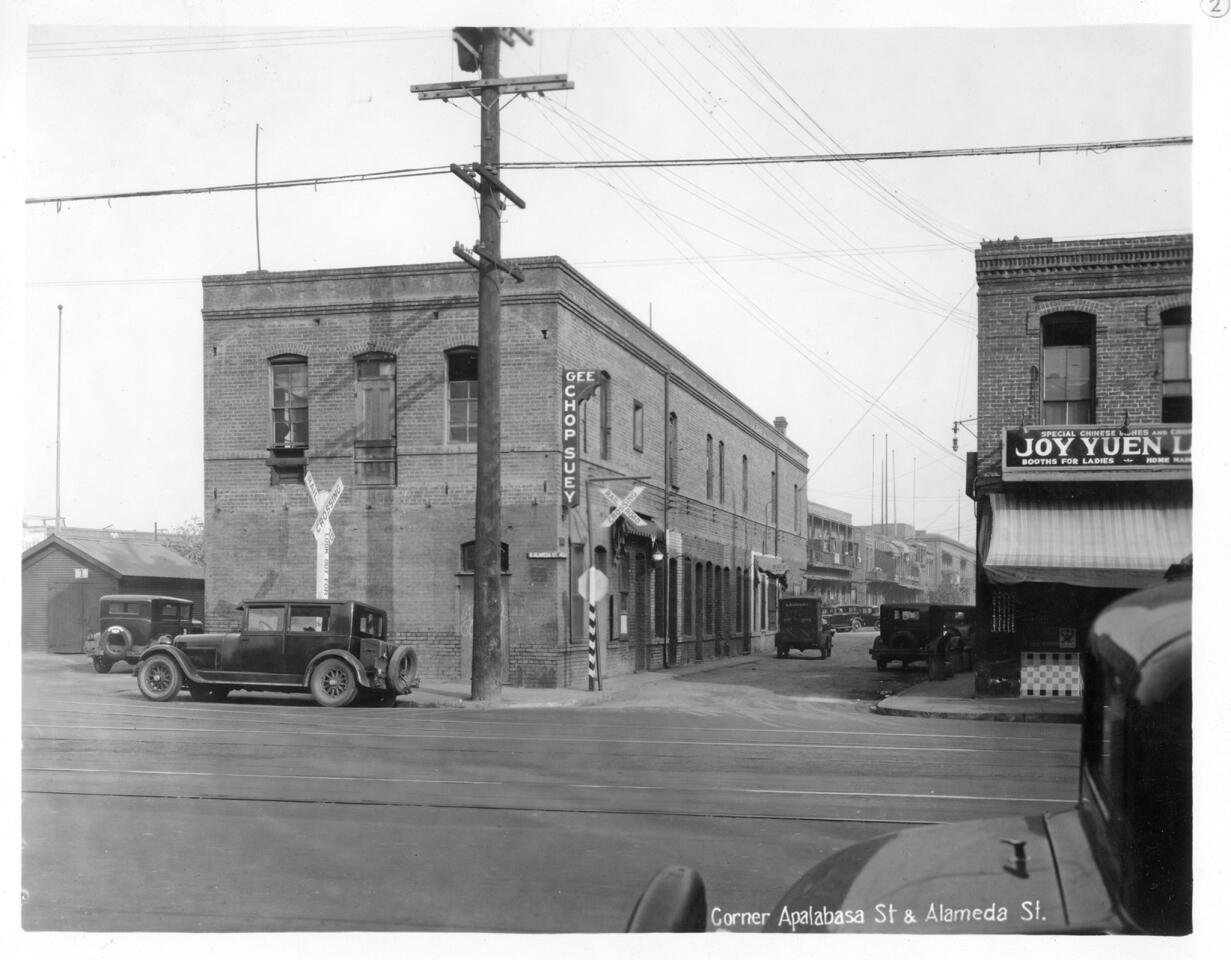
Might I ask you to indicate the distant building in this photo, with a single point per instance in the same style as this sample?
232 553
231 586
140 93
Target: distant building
64 575
899 564
833 554
368 377
949 570
1083 474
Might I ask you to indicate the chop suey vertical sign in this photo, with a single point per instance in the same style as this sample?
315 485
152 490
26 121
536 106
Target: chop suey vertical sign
1157 446
577 387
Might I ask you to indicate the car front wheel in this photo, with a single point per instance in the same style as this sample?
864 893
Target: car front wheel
333 683
159 677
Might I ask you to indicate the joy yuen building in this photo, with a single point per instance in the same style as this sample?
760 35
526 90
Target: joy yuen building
365 381
1083 474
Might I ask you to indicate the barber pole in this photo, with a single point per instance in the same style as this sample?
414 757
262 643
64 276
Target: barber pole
592 585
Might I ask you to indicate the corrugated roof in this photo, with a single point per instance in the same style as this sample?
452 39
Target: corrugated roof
128 558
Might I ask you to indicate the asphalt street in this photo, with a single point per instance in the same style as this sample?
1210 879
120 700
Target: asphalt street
268 813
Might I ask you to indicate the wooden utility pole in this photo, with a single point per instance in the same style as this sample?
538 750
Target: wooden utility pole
479 49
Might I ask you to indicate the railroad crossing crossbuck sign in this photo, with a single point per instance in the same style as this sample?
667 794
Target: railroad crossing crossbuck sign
322 529
623 508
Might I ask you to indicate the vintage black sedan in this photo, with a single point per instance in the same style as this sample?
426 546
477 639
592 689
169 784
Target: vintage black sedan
335 649
1120 861
129 622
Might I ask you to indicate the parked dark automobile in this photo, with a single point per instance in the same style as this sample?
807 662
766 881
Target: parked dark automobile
851 616
335 649
909 632
802 626
1120 861
130 622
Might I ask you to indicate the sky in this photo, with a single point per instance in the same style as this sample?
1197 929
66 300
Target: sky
840 296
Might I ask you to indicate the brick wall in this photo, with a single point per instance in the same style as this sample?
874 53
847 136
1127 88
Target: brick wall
1124 284
400 547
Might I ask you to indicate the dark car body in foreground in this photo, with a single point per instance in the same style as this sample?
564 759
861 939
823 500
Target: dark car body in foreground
1120 861
335 649
802 626
129 622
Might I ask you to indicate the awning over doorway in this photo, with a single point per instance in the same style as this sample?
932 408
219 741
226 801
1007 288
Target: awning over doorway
649 530
774 566
1085 542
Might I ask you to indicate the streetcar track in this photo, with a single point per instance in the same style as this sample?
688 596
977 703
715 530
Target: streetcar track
490 807
301 719
433 781
148 735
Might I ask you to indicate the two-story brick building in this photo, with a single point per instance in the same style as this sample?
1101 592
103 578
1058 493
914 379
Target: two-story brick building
1082 477
368 376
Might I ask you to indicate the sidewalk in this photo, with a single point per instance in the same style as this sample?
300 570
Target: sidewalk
951 699
954 699
457 694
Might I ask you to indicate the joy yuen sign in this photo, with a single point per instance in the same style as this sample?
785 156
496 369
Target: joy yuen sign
1063 450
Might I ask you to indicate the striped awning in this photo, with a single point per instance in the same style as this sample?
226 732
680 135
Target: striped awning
1086 542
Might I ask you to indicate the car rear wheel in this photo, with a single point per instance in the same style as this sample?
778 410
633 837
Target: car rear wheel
403 666
159 677
333 683
856 624
101 665
881 663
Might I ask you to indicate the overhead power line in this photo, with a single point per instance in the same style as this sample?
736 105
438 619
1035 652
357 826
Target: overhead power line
1093 146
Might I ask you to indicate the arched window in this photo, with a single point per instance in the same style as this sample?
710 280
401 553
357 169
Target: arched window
687 597
375 419
463 403
744 482
1177 365
1068 368
673 449
288 376
709 467
288 391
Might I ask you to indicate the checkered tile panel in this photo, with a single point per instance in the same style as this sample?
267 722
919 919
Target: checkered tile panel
1051 674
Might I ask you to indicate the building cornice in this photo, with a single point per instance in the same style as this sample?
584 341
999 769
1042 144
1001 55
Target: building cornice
1043 258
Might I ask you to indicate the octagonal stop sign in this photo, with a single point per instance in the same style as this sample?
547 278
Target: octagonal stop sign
595 576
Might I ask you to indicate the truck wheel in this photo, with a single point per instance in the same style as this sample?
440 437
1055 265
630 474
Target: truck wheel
101 665
159 678
881 663
333 683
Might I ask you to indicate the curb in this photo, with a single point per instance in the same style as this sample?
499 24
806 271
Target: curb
941 713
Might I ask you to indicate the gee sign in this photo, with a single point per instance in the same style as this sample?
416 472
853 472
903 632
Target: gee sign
578 385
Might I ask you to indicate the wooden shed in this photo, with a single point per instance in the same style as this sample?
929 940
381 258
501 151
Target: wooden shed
63 576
